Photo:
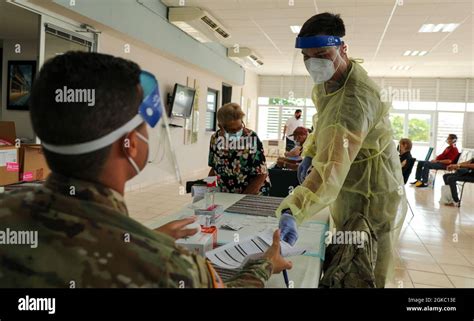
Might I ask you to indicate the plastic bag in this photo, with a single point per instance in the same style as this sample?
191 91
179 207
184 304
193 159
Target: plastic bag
446 196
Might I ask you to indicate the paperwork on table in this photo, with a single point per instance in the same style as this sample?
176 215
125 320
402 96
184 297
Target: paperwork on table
235 255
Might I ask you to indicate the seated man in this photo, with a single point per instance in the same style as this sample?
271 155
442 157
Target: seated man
449 156
293 157
464 173
85 237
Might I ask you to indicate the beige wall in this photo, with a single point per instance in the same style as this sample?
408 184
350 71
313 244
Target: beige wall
192 159
29 51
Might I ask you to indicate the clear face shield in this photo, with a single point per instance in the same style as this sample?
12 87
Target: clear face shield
317 56
160 150
321 56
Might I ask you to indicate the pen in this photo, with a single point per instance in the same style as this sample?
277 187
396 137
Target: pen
285 276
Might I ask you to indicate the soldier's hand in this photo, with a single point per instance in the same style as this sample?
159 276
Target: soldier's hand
176 229
274 255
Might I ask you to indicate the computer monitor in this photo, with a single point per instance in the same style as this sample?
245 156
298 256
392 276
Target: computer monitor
182 101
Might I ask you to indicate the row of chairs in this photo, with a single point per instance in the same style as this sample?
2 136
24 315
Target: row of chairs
464 156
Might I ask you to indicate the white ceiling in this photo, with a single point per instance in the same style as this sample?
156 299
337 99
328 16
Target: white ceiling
17 23
264 26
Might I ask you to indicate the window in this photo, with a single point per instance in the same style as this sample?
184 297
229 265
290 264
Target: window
451 106
273 112
449 123
417 127
422 105
211 110
399 104
398 126
268 122
308 116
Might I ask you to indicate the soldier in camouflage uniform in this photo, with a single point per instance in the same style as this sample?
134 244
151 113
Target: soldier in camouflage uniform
85 237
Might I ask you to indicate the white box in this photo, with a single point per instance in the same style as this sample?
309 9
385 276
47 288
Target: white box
199 243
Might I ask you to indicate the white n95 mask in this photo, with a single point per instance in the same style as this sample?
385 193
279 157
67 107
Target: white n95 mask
320 70
130 159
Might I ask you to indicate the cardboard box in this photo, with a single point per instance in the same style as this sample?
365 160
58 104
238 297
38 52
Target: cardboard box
9 166
33 166
7 131
24 164
9 157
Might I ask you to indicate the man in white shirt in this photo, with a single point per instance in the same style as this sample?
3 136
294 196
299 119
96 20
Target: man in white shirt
291 124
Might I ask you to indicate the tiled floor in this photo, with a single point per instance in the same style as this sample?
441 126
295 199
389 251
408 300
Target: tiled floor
436 247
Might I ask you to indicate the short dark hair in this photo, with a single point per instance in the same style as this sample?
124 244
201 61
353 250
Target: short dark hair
298 111
453 136
323 24
114 81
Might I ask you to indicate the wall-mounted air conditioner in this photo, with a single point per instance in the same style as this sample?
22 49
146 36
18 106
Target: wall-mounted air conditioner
245 57
198 23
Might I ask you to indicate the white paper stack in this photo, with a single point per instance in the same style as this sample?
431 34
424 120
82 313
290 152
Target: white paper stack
235 255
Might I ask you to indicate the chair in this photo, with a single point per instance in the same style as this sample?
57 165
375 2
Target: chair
428 155
273 147
409 168
461 155
468 155
406 175
283 181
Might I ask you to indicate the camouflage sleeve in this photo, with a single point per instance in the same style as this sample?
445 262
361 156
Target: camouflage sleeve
253 275
201 274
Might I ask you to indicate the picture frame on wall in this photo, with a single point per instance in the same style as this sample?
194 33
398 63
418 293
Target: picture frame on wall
20 77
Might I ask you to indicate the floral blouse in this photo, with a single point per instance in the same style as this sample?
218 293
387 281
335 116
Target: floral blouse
236 161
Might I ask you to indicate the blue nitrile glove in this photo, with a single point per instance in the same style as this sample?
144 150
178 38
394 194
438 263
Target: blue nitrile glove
288 229
303 168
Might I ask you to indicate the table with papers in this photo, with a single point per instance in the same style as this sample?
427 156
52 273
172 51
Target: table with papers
306 269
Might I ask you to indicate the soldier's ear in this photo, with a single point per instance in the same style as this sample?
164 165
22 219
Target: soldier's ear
130 144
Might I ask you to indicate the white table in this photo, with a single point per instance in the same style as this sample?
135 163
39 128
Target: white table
306 269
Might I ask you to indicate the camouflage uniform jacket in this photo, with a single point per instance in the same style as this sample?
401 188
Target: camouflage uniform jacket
86 239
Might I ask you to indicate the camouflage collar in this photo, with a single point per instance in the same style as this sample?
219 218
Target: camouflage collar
87 191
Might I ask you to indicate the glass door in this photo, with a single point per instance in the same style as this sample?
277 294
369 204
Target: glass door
61 35
57 41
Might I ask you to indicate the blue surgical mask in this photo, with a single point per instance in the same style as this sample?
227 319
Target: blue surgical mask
235 135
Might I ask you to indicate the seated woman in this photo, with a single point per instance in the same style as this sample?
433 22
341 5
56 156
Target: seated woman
464 173
293 157
405 145
236 155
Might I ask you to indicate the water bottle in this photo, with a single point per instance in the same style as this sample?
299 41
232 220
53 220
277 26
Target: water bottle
211 182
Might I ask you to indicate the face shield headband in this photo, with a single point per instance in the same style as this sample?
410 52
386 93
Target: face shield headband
149 111
317 42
